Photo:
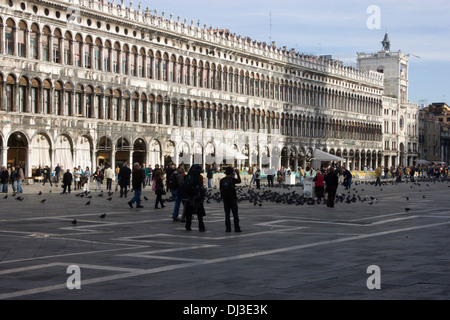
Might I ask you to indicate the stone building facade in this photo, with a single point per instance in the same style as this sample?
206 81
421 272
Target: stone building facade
92 82
400 116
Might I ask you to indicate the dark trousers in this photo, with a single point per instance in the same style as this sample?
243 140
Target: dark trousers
108 184
189 213
270 181
331 196
159 200
378 182
49 180
258 184
231 205
66 187
319 192
123 191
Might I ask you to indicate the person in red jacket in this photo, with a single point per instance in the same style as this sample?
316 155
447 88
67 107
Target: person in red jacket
319 185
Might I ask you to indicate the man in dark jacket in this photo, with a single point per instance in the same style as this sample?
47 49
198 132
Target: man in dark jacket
229 196
67 181
332 183
138 180
4 179
177 191
124 179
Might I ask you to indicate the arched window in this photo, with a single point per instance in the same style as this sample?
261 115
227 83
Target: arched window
173 69
23 94
77 49
21 40
35 96
57 39
68 99
46 99
10 36
78 101
165 65
87 47
89 103
45 44
133 62
68 60
125 57
115 58
97 54
34 41
158 62
10 92
141 63
107 57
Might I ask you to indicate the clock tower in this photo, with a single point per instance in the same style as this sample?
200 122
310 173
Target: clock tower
400 129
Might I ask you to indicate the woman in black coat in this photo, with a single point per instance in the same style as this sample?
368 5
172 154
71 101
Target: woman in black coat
332 183
67 181
124 179
194 191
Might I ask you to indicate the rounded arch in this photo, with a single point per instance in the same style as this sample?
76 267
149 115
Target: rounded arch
64 151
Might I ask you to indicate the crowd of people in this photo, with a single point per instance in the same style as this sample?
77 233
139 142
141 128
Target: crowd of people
188 189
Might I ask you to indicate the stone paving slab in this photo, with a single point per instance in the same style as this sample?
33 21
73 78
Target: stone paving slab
286 252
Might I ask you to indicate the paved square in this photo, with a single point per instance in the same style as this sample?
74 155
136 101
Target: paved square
286 251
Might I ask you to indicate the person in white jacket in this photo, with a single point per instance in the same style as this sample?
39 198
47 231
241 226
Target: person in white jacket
109 176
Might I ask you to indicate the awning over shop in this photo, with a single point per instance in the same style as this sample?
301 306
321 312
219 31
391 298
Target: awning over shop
323 156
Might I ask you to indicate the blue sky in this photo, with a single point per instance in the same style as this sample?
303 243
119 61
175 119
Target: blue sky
338 28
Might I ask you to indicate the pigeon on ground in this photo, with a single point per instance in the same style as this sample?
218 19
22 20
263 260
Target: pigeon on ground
40 192
43 201
5 197
88 203
103 216
109 199
74 222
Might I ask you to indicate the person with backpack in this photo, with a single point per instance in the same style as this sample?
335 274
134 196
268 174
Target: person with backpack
195 192
229 197
176 185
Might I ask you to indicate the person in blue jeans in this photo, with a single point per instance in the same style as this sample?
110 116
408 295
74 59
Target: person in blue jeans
177 192
138 180
20 177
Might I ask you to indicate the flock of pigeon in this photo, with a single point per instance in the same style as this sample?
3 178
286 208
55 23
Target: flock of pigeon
280 194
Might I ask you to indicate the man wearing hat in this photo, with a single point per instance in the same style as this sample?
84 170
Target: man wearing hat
229 196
